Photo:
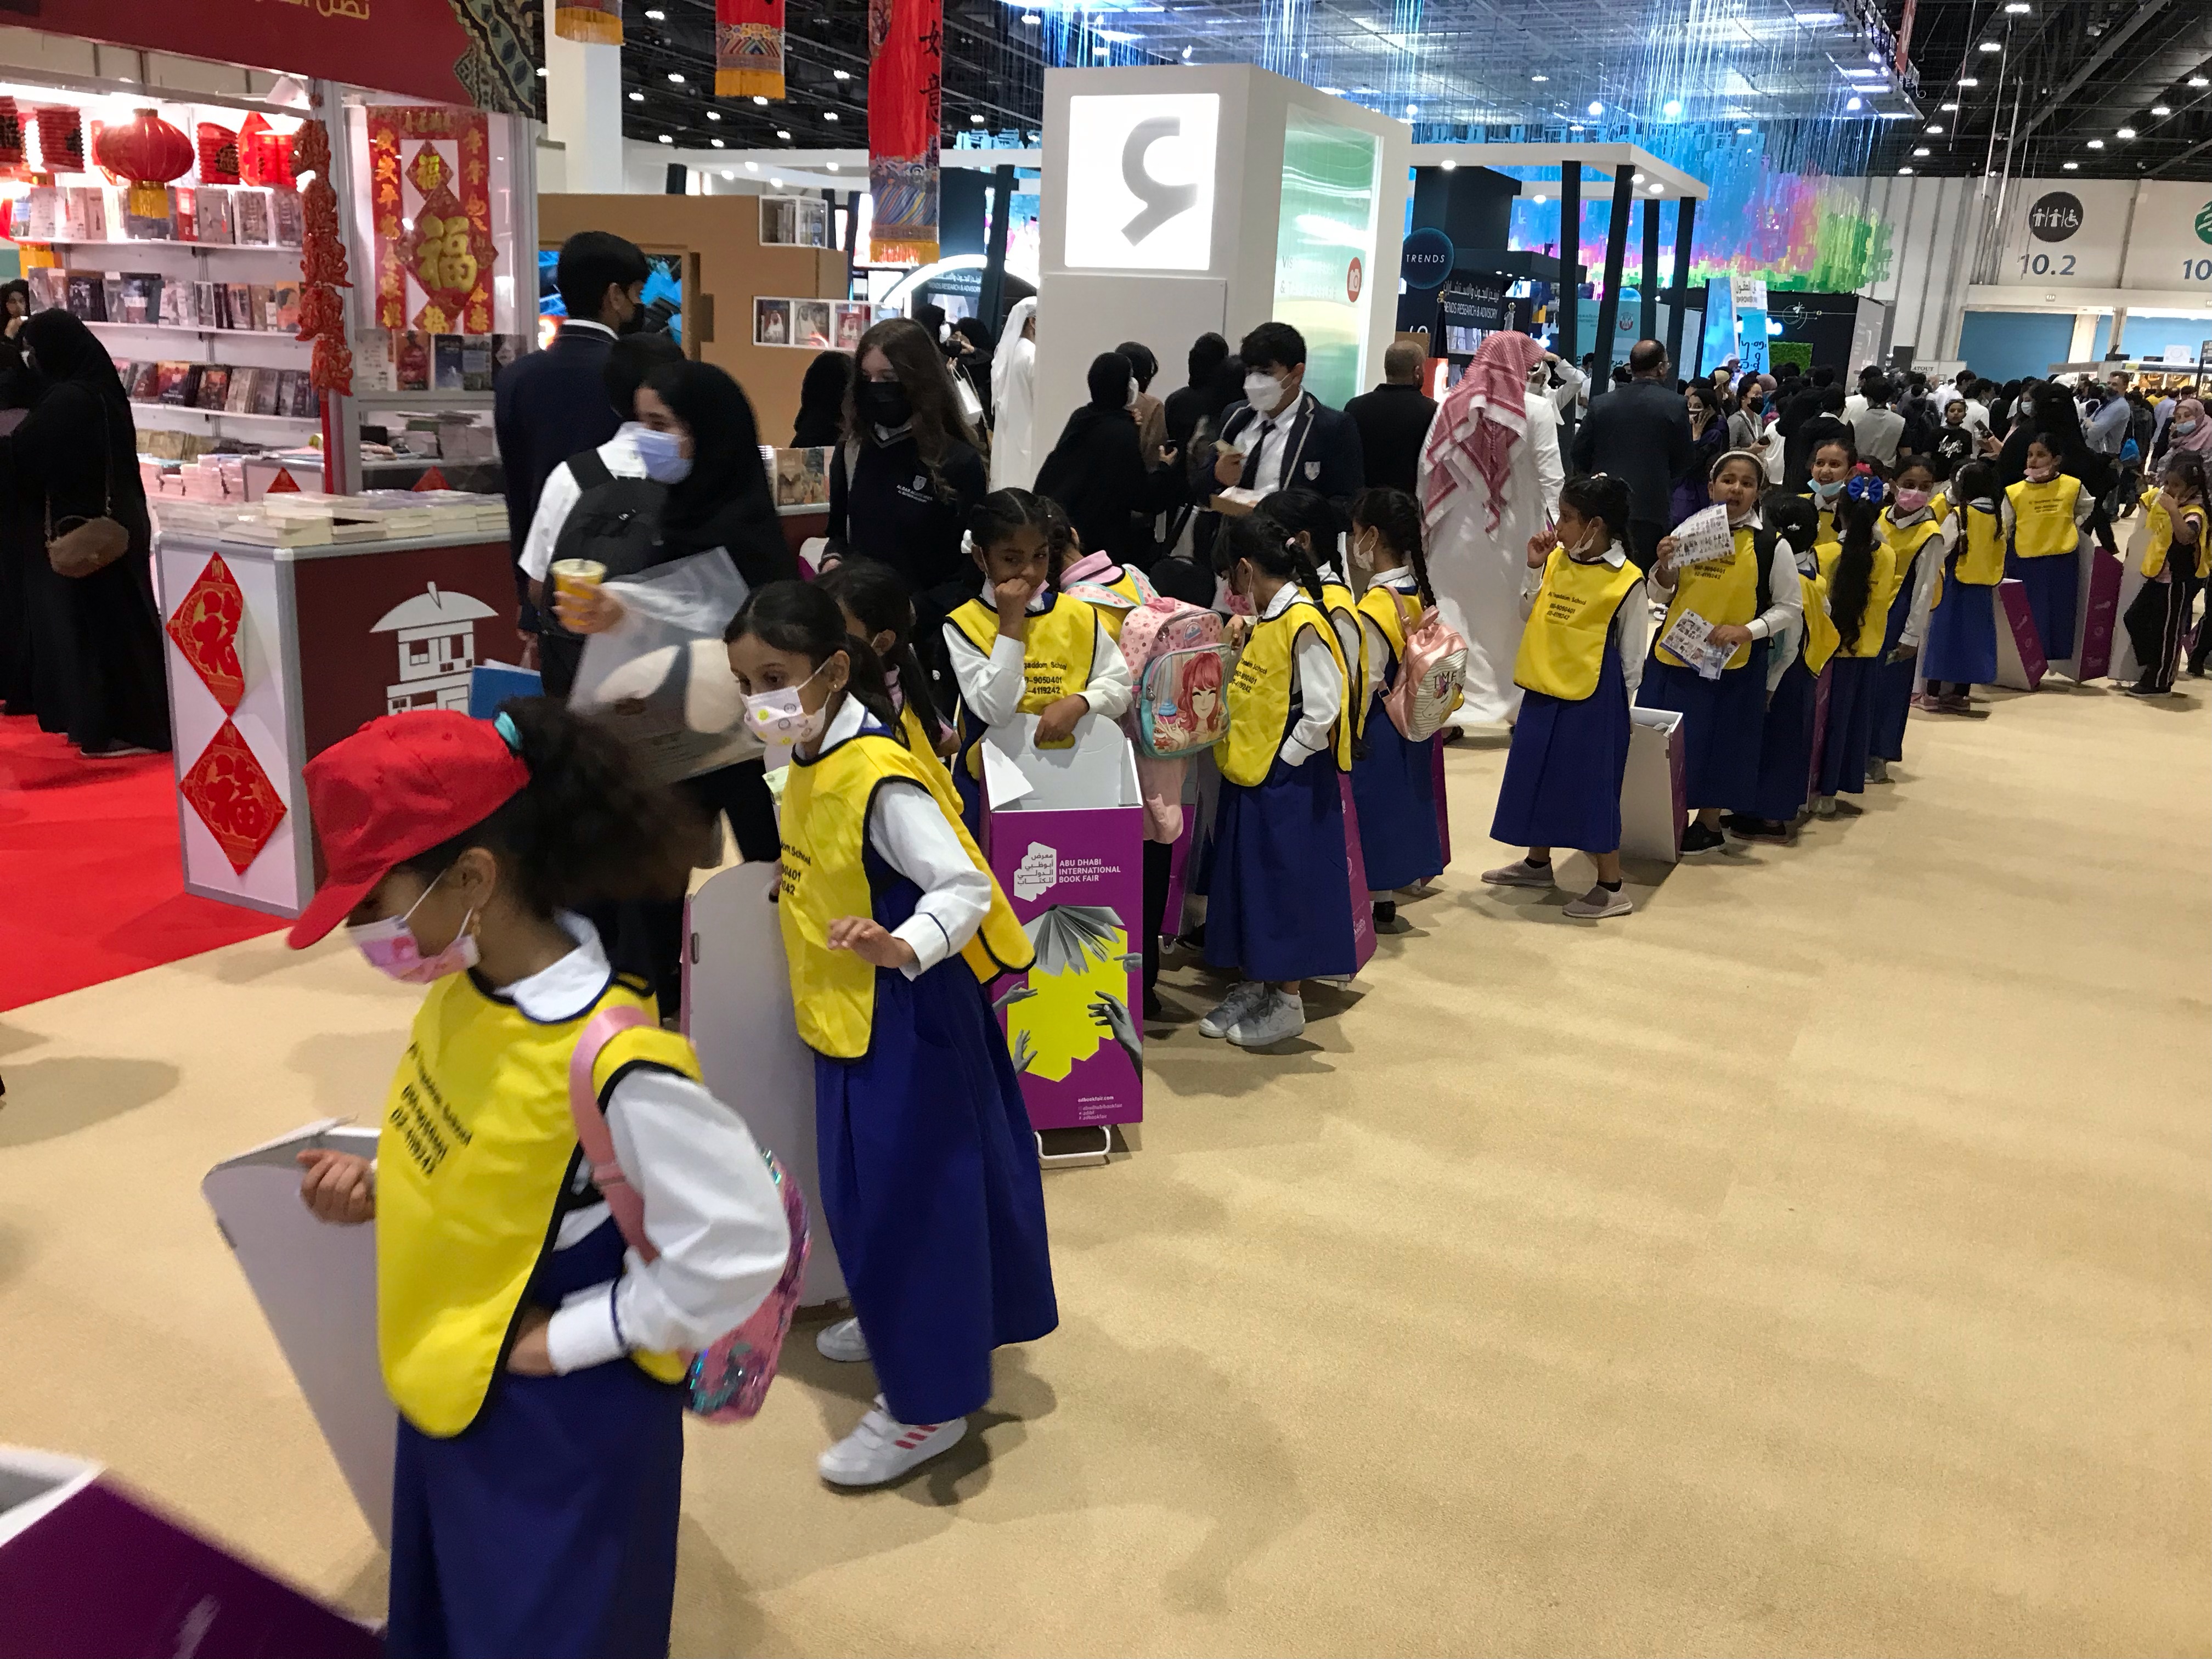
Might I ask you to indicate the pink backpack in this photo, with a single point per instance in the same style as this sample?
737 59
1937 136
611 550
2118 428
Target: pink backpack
1180 671
727 1382
1432 674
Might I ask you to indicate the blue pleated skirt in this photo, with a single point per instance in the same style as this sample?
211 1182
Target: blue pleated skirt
1961 647
1893 681
1394 788
1562 783
930 1186
2054 594
1785 748
1278 881
547 1526
1852 691
1722 722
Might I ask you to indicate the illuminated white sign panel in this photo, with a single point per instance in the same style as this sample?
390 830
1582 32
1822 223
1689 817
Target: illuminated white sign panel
1140 181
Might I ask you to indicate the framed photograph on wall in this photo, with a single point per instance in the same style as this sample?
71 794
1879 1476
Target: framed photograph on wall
810 324
772 322
852 322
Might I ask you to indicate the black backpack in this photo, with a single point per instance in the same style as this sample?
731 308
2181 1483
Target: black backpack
616 521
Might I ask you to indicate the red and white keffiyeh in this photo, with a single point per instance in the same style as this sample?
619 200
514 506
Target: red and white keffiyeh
1471 440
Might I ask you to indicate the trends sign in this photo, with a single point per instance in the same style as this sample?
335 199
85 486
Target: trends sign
1140 181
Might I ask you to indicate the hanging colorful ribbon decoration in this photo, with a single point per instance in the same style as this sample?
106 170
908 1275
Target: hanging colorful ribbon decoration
749 48
906 56
594 22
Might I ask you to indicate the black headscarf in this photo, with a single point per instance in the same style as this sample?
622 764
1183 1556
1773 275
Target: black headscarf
79 437
725 500
821 400
17 386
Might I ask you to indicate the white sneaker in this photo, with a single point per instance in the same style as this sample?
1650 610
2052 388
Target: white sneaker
841 1341
1825 807
1232 1008
1278 1018
1877 769
1520 873
883 1447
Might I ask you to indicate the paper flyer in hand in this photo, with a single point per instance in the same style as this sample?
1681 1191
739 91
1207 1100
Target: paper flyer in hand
1686 639
1702 537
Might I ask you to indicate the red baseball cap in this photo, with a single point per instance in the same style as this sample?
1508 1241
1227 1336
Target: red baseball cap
399 786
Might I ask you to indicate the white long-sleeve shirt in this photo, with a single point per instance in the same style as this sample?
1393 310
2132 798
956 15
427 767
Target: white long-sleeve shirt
1632 622
993 685
561 493
1319 685
1544 436
711 1208
1925 568
1786 600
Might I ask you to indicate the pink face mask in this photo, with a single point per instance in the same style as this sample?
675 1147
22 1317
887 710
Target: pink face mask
391 949
2041 473
1911 501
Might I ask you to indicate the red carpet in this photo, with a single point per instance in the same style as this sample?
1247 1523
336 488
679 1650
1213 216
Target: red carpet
92 883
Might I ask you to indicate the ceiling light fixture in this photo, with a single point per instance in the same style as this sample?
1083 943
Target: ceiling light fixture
1934 128
1637 178
847 74
783 134
637 98
1187 51
1947 108
1743 132
1448 164
727 173
832 166
1672 106
1968 80
762 101
2096 143
542 73
1097 52
665 139
2127 132
2161 109
1413 110
975 120
674 78
718 143
1540 79
1988 46
1539 199
2070 167
830 115
1656 190
1923 150
714 115
1029 17
1596 107
1906 170
1851 103
2199 82
776 184
657 15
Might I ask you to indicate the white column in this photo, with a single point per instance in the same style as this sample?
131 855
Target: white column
583 113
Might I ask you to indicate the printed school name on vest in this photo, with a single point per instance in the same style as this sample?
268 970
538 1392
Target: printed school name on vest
1564 607
1042 680
429 1137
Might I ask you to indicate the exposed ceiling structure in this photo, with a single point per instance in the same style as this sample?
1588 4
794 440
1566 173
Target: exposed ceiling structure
2040 83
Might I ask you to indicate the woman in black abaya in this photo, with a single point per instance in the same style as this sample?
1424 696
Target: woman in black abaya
94 641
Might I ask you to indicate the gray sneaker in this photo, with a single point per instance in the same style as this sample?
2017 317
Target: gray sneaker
1520 873
1597 904
1877 770
1247 996
841 1341
1278 1018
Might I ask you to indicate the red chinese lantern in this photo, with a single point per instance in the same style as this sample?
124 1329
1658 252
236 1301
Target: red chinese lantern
148 152
61 138
218 148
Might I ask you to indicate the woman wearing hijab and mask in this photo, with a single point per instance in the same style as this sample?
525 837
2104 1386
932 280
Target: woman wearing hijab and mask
21 531
1013 399
968 346
1096 470
697 436
95 640
821 401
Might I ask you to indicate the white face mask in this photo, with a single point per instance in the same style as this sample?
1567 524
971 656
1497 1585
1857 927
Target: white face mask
1263 391
779 716
1131 402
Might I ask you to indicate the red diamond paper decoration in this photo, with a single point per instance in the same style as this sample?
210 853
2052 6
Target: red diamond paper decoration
234 797
427 170
205 628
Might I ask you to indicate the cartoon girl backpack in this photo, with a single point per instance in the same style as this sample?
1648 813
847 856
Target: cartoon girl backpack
1180 668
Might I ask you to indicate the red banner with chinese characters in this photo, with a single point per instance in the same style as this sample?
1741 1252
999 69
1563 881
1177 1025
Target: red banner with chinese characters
430 212
457 51
906 58
747 48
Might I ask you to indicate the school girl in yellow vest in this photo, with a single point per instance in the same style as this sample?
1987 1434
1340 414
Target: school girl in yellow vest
540 1452
1959 642
1275 875
1750 596
2042 517
2177 559
1861 584
892 925
1586 631
1022 647
1832 461
1787 739
1394 783
1310 518
1918 537
876 609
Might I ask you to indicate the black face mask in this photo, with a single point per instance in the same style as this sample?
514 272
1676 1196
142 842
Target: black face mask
883 403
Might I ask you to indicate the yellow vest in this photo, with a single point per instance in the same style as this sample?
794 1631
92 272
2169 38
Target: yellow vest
1882 591
2042 516
1342 603
1562 643
1827 515
1386 607
2159 523
1056 650
1820 636
476 1149
1720 591
1260 694
825 823
1982 562
919 746
1906 544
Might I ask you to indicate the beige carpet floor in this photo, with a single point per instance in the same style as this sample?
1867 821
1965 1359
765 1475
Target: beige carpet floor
1818 1262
